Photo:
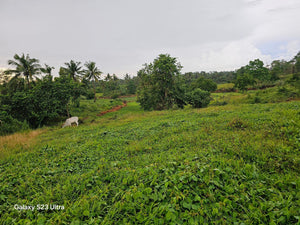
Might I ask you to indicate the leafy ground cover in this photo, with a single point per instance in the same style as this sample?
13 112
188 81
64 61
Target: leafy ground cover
231 164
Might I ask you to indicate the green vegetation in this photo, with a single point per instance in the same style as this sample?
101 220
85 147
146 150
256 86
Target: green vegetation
88 112
204 84
92 73
24 66
253 73
28 101
44 103
228 87
275 94
162 87
229 164
198 98
234 162
218 77
157 89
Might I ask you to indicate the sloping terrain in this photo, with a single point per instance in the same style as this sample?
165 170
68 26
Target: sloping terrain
222 164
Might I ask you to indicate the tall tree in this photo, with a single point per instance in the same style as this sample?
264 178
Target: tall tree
277 68
296 60
92 73
73 69
257 70
108 77
243 80
157 87
47 70
114 77
251 74
24 66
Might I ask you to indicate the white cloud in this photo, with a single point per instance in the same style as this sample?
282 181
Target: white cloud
222 56
233 55
289 50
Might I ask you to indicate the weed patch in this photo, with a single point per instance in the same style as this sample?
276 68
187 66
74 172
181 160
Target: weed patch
237 123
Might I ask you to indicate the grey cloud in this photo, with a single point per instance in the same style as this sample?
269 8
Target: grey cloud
121 35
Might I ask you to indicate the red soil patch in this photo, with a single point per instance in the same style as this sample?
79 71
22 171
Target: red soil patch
127 96
122 96
293 99
113 109
104 97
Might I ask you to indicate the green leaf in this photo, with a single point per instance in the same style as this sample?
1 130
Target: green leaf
187 205
195 207
170 216
86 213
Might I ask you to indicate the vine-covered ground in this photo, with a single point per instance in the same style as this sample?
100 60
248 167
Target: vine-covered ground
231 164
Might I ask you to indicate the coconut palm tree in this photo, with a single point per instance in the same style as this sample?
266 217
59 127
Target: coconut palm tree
47 70
92 73
108 77
25 66
73 69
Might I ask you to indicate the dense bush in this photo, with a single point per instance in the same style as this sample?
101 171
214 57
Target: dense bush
295 81
243 81
115 96
9 125
205 84
198 98
89 94
47 100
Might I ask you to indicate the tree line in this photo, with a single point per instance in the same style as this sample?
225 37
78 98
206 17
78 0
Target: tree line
255 74
30 96
162 86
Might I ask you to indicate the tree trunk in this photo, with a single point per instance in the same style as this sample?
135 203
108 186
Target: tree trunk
95 98
28 82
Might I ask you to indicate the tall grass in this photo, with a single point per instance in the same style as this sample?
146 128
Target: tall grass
18 142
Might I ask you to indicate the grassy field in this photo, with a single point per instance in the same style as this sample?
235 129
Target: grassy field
226 86
225 164
269 95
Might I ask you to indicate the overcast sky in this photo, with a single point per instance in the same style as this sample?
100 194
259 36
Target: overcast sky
122 35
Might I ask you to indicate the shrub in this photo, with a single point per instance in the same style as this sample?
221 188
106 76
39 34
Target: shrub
45 101
198 98
115 96
10 125
205 84
256 100
89 94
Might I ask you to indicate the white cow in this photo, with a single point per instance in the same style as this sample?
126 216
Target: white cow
70 121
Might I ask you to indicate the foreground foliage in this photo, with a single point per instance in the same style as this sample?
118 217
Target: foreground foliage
230 164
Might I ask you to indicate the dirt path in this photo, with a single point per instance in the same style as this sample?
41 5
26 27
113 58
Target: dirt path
114 109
